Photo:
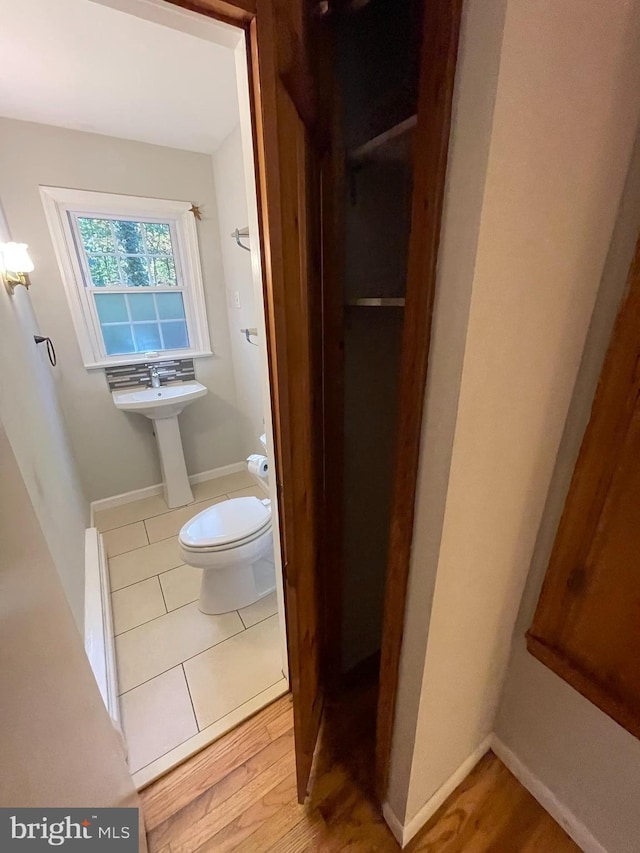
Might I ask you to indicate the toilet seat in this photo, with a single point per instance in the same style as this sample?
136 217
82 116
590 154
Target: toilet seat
232 542
227 525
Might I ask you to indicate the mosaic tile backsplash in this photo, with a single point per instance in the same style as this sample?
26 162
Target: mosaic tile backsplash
137 375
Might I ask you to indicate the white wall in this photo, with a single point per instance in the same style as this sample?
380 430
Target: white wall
564 740
116 452
228 169
30 411
565 114
58 746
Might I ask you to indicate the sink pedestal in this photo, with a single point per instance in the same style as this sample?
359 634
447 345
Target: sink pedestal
177 489
163 405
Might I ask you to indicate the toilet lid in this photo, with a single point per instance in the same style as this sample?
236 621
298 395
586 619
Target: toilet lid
229 521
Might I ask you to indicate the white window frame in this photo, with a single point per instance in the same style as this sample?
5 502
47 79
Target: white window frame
59 202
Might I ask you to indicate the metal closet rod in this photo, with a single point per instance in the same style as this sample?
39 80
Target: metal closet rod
237 234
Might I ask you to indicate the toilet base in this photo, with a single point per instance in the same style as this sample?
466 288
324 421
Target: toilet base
224 590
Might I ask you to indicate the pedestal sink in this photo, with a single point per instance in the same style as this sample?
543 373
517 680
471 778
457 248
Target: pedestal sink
163 405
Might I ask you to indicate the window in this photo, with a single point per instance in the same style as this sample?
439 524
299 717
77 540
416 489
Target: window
129 269
132 275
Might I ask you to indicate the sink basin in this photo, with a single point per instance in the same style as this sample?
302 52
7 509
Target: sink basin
163 405
155 403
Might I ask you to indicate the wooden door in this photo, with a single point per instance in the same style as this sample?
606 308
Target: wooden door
587 624
292 167
291 161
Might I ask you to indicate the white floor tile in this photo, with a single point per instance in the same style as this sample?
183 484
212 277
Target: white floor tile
262 609
251 491
221 485
157 717
181 586
226 676
125 539
142 563
118 516
161 644
209 734
137 604
169 524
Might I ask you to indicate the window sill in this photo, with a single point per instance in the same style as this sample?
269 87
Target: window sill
120 362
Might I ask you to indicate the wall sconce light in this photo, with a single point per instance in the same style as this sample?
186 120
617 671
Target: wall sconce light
15 265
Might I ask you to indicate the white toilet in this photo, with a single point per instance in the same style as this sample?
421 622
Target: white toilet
232 542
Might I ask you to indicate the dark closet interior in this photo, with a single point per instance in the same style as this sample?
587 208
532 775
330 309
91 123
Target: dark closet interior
376 49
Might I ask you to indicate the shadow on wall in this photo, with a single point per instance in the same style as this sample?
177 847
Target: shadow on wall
30 411
200 425
228 169
47 683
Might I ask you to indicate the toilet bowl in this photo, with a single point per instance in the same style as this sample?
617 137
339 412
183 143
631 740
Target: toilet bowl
232 542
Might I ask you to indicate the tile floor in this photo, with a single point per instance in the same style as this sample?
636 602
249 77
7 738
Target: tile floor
182 675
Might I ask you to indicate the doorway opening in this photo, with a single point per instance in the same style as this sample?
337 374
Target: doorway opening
136 193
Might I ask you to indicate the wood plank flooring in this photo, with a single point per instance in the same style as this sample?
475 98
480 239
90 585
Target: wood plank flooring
239 794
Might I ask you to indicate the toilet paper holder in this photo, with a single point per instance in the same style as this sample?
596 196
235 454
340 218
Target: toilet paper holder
258 465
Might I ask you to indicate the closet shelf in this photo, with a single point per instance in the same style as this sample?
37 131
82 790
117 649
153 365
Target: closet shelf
368 149
378 302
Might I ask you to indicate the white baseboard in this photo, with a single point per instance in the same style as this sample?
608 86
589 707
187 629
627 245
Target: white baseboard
403 833
203 476
547 799
151 491
98 623
263 485
397 828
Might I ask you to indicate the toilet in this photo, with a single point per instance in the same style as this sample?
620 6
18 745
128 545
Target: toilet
232 542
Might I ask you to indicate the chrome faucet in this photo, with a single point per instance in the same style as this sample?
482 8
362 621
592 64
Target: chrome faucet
154 376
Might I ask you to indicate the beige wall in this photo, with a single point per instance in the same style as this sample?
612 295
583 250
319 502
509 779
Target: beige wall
565 114
115 451
30 411
228 170
569 744
57 742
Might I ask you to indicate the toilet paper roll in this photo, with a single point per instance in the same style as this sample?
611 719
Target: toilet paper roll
258 465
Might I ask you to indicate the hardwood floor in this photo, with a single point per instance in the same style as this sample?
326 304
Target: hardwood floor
240 794
491 811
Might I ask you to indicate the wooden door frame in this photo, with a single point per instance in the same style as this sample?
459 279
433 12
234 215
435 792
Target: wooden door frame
441 29
276 64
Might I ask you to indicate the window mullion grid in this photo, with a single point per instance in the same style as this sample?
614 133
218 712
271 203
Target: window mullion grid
155 305
150 266
116 252
161 288
130 320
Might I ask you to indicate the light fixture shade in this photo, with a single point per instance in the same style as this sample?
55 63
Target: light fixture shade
16 258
